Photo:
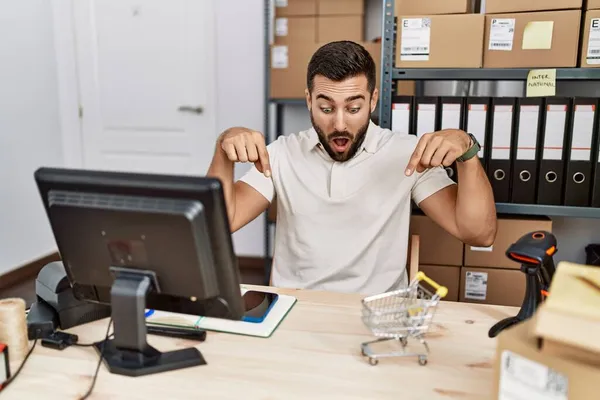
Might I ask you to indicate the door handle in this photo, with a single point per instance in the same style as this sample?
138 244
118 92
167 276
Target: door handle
197 110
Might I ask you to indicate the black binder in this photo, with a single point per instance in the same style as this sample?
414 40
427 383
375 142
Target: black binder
452 117
402 114
554 137
501 136
579 153
476 122
525 161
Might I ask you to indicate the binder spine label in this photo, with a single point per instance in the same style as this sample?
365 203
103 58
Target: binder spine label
415 38
554 133
400 117
593 52
476 121
527 134
502 32
583 128
450 116
425 119
502 132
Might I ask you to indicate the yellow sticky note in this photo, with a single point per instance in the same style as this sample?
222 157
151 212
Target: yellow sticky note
541 83
538 35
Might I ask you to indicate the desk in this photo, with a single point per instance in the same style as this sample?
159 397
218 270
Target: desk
315 353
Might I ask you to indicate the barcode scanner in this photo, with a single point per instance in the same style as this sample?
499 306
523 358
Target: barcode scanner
534 251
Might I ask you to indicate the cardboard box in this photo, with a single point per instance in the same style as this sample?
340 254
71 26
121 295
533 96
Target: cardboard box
340 7
510 6
440 41
503 287
445 275
532 40
436 247
289 64
590 40
592 4
510 229
433 7
295 8
522 368
345 27
291 30
569 319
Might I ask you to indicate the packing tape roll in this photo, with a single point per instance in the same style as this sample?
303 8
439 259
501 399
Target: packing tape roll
13 328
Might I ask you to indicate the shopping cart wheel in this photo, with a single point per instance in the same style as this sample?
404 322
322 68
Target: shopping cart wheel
403 341
422 360
362 351
373 361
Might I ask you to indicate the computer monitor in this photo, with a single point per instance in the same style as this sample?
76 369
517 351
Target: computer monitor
138 241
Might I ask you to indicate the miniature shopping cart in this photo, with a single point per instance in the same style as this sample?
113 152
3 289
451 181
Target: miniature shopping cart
401 314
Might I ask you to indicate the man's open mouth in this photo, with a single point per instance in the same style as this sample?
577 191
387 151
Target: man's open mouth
340 144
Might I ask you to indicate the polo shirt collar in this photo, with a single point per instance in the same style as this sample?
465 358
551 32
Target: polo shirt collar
369 144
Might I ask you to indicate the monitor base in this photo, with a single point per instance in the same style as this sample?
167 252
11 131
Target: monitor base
151 361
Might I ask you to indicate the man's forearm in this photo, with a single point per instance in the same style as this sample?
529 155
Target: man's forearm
475 204
222 168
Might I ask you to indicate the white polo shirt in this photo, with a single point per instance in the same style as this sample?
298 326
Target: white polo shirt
343 226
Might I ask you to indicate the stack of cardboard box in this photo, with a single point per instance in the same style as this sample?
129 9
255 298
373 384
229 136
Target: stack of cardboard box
438 34
300 28
534 33
475 274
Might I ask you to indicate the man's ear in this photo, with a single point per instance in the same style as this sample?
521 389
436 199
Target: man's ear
308 101
374 99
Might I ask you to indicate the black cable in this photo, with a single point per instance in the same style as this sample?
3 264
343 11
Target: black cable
89 392
91 344
13 376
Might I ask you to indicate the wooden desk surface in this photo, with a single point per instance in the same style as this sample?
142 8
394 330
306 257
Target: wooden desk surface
315 353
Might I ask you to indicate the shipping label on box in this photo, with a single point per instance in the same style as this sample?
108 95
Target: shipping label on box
279 57
476 285
593 42
529 379
415 39
502 32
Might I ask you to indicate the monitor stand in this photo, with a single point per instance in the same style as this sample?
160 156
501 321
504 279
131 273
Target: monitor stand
129 353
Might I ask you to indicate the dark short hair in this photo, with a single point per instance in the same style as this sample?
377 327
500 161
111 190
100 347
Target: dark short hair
341 60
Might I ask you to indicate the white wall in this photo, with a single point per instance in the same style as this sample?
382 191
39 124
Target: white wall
29 127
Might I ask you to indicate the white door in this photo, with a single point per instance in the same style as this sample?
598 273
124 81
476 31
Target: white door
146 71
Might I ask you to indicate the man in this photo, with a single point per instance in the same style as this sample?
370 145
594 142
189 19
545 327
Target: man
344 187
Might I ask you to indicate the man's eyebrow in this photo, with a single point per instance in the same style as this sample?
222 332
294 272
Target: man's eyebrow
355 97
322 96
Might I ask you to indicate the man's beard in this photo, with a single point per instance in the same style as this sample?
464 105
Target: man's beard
355 140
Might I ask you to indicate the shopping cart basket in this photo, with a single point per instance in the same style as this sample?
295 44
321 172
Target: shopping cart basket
401 314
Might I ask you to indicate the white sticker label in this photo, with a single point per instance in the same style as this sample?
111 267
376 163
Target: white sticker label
281 27
502 32
593 52
414 41
524 379
3 371
281 3
488 249
279 57
476 285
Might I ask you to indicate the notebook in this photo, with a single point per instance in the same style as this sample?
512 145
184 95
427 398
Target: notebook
264 329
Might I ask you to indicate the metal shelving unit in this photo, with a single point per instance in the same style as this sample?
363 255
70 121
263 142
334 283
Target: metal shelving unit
480 82
476 82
